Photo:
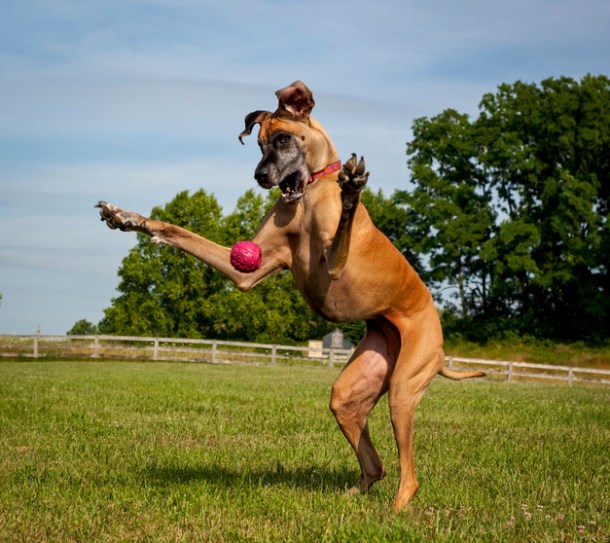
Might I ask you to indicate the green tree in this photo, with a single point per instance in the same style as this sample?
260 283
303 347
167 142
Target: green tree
165 292
450 213
550 169
83 328
513 207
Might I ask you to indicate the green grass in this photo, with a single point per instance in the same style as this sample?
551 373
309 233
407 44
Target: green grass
122 451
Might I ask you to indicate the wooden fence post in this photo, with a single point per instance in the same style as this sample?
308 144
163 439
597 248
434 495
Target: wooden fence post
510 372
273 355
96 347
214 344
156 350
331 358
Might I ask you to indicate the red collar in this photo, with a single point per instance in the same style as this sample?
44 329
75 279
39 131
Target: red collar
331 168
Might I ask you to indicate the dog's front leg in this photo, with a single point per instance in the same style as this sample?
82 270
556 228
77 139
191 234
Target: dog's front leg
352 179
205 250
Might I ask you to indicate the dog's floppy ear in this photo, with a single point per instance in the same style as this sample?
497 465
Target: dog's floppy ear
295 100
256 117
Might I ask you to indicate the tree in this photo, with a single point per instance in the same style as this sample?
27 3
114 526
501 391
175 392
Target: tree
83 328
167 293
512 209
564 144
450 213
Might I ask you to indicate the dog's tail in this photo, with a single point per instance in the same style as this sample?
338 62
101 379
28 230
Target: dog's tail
459 375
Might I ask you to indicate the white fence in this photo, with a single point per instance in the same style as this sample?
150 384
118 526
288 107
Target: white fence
526 371
171 349
231 352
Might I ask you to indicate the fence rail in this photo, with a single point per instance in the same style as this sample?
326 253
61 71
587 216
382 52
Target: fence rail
526 371
166 349
231 352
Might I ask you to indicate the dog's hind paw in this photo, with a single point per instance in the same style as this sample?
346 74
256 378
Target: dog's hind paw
115 217
352 179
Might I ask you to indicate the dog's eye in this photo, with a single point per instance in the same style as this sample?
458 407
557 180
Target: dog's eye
282 139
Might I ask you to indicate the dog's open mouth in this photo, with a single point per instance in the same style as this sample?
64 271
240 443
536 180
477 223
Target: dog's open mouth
292 187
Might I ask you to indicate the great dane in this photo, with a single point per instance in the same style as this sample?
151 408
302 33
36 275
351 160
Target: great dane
345 268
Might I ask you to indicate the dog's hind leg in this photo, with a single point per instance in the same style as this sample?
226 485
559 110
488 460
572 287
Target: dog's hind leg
356 391
418 362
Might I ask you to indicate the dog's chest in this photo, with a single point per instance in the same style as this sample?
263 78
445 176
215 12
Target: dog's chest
336 300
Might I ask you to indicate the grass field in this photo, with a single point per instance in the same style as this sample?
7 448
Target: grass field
100 451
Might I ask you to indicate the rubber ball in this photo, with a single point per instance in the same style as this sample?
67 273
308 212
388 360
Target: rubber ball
246 256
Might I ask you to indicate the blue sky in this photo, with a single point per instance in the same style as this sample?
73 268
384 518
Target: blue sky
132 101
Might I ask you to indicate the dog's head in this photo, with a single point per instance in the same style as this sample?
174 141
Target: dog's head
293 144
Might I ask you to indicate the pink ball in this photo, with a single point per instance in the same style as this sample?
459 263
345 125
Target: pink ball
246 256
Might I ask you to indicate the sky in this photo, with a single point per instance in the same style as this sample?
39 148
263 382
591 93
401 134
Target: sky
133 101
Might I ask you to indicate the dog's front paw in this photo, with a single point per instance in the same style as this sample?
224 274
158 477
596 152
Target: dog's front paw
115 217
352 179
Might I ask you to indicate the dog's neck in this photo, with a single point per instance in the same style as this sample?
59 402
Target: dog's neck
331 168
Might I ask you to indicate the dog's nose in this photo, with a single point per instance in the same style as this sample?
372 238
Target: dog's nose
261 177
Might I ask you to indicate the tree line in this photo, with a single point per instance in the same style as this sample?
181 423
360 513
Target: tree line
507 219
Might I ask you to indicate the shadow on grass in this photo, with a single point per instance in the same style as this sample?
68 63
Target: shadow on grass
311 478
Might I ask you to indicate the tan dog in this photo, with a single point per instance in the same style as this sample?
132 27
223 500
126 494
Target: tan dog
345 268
